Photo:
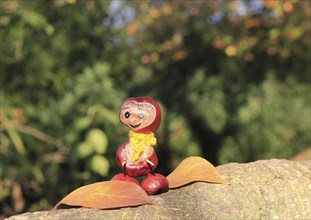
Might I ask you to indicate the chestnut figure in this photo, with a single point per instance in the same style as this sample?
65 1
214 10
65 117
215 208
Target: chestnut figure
142 115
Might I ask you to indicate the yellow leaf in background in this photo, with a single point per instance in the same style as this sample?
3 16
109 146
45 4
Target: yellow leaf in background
177 38
132 29
194 10
71 1
145 59
154 57
231 51
288 6
252 23
167 45
274 33
271 4
234 5
167 9
154 12
179 55
294 33
218 43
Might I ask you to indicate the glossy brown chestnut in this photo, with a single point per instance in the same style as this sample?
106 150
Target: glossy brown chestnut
123 177
154 183
136 168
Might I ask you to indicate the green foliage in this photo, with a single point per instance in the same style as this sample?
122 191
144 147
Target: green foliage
92 148
100 165
275 114
206 96
179 135
232 78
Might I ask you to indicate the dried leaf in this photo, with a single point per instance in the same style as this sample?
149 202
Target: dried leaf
194 169
106 195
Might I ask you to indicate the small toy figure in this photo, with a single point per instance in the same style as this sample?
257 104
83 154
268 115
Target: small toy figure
142 115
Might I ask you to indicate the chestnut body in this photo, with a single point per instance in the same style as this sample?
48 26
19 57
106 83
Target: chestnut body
142 115
139 167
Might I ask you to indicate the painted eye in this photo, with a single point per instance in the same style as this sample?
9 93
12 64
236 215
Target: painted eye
140 115
127 115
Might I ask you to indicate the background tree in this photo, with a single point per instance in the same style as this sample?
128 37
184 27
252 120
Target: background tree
232 77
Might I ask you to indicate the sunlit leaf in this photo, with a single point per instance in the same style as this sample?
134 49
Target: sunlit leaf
132 29
84 149
14 136
98 140
100 165
274 33
106 113
231 51
106 195
82 122
194 169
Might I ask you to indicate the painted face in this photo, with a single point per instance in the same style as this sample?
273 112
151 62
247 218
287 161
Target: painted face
140 114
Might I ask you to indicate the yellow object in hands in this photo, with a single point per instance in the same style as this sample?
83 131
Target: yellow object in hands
138 142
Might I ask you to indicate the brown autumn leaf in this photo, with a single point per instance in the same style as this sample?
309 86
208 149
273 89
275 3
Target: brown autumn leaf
194 169
106 195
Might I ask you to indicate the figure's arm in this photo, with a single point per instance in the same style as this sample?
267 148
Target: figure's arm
121 157
152 161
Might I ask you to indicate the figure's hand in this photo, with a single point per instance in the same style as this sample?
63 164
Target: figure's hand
124 166
150 163
123 163
140 168
138 164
